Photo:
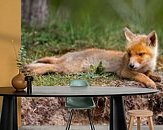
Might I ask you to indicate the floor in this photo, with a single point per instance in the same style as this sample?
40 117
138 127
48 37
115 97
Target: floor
97 127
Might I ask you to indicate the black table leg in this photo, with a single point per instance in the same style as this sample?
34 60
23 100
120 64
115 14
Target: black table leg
117 114
9 113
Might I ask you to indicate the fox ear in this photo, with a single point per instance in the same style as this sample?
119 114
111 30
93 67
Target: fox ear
128 34
152 39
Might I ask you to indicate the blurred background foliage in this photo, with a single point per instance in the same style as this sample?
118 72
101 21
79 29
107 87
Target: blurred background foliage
78 24
102 12
69 25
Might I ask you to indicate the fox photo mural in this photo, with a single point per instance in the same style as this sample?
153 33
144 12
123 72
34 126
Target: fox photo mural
109 43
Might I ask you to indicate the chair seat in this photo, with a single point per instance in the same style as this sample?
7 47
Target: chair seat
80 103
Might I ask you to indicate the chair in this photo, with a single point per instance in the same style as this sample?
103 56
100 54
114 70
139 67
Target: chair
79 103
139 114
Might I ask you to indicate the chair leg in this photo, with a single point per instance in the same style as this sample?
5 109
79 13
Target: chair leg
150 123
138 123
131 122
90 119
69 119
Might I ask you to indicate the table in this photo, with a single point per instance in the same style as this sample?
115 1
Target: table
117 114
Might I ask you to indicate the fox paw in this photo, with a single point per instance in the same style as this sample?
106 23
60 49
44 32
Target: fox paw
151 85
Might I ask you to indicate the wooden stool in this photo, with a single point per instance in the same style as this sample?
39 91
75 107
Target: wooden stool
139 114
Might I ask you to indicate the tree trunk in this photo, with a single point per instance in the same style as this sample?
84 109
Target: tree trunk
35 12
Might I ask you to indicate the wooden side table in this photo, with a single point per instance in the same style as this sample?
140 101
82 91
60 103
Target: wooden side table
139 114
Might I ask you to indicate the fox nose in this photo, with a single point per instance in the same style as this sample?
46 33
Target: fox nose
131 66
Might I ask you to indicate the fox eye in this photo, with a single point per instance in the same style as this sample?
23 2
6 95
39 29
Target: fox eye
129 54
141 54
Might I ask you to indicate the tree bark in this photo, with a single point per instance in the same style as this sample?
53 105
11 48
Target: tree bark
35 12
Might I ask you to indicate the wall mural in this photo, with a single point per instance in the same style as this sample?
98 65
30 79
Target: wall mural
64 40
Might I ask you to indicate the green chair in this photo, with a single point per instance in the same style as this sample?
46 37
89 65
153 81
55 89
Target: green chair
79 103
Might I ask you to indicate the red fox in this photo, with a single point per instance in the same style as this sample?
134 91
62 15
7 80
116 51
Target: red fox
136 63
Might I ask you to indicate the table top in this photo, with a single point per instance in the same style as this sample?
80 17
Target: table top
66 91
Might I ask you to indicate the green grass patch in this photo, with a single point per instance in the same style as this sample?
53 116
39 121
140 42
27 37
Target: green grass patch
63 79
60 38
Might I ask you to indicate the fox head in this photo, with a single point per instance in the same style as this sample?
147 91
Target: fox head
141 50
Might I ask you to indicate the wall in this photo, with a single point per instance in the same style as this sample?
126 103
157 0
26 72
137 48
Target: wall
10 29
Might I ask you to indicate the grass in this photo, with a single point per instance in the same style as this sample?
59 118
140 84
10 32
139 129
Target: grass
59 38
63 80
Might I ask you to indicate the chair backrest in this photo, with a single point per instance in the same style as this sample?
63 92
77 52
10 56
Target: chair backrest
78 83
